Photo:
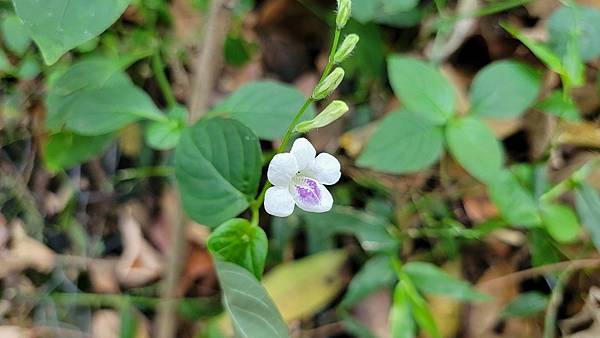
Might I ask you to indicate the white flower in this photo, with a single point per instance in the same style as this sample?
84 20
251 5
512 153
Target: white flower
298 178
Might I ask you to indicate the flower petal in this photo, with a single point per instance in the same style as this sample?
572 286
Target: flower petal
281 169
279 202
310 195
305 153
326 169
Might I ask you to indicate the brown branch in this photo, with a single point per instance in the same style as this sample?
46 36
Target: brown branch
206 66
534 272
210 56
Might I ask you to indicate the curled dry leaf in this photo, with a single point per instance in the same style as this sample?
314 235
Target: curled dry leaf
103 276
590 313
24 253
140 263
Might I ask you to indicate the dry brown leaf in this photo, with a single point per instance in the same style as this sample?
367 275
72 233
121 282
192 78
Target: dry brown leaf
590 313
483 317
14 332
140 263
373 312
103 276
583 134
199 265
26 252
479 208
106 324
354 140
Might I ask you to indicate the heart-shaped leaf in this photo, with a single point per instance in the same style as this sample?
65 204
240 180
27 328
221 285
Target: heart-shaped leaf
217 164
58 26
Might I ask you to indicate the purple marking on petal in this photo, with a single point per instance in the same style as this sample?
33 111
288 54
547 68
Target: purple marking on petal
308 192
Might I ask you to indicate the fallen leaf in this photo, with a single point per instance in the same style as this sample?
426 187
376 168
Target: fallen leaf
583 134
26 252
373 312
140 263
579 325
14 332
107 324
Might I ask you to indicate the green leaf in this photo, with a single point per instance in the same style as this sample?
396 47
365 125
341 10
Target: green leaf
516 204
64 150
166 135
29 68
561 222
237 241
430 279
370 229
559 105
421 88
402 324
58 26
403 143
5 66
540 50
474 146
266 107
419 307
375 10
375 274
526 304
579 23
542 248
252 312
129 321
504 89
587 201
93 97
217 164
15 36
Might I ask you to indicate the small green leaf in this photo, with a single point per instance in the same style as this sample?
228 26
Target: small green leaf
579 22
428 278
217 164
403 143
474 146
504 89
64 150
166 135
516 204
94 97
402 324
15 36
370 229
559 105
421 88
58 26
561 222
587 201
239 242
540 50
526 304
252 312
266 107
375 274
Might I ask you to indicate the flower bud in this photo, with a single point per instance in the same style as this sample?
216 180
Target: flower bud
334 111
343 13
329 84
346 48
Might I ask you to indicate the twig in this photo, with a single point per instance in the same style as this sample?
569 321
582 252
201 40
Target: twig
210 56
534 272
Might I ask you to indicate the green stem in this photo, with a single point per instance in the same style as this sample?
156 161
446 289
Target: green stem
159 71
571 182
255 206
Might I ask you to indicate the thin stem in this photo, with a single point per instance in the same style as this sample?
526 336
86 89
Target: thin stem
159 71
288 134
